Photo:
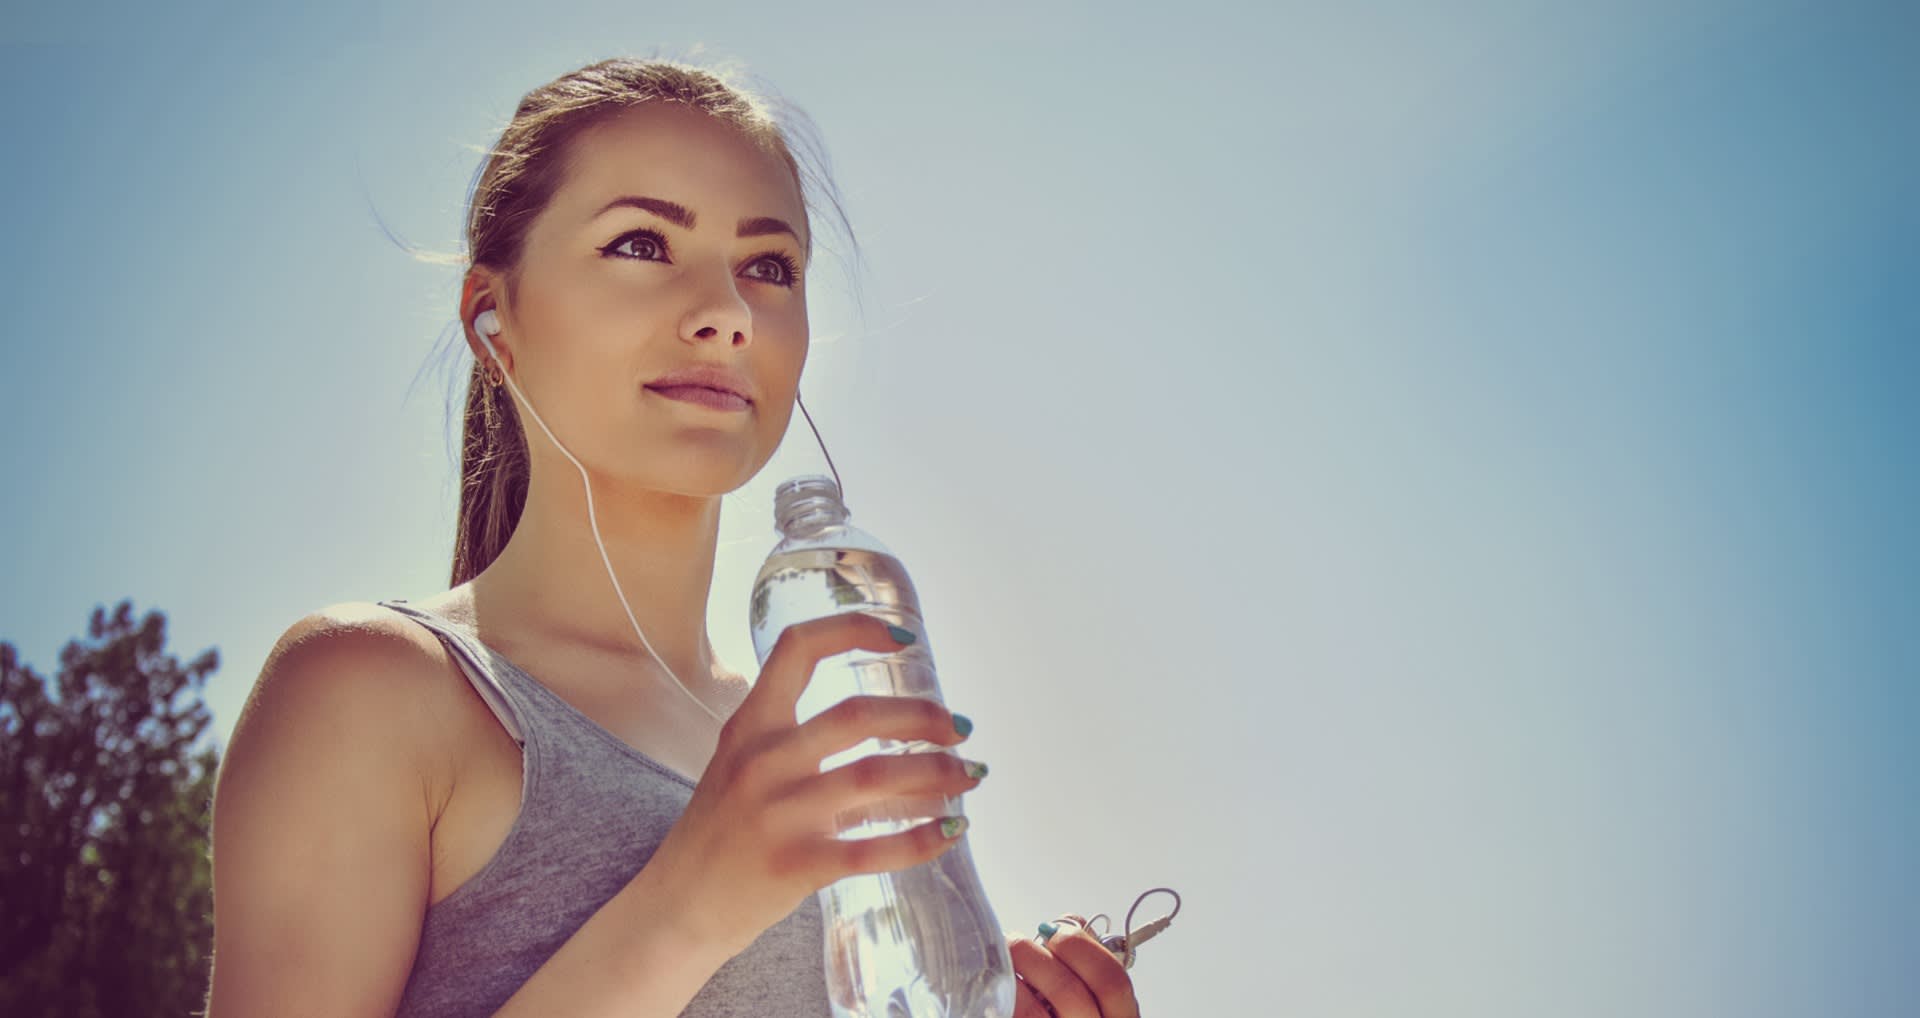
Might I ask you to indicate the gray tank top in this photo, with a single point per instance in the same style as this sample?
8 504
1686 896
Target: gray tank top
592 811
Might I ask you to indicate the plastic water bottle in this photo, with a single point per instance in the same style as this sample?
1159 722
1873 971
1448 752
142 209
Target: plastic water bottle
916 943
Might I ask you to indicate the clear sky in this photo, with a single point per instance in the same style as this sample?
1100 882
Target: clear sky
1435 487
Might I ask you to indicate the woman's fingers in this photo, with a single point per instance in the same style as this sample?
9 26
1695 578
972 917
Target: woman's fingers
1075 975
738 840
1097 970
1052 979
883 854
868 716
883 786
789 665
1027 1004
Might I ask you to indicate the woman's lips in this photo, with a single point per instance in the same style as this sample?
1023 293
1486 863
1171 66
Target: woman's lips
701 396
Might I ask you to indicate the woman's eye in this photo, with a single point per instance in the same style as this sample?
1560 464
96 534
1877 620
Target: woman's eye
785 266
646 240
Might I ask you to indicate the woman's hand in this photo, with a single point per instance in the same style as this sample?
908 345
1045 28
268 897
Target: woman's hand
1070 976
760 833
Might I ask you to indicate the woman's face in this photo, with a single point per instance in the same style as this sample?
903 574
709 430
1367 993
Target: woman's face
612 297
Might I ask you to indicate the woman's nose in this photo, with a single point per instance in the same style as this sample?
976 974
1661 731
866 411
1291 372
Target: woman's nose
724 314
738 337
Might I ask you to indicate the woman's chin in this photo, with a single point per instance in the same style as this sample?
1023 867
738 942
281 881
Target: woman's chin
709 479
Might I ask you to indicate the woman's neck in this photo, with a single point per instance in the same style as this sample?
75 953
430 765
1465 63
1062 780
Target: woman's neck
551 580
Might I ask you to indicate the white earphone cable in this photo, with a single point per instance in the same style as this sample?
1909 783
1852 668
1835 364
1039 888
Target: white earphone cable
591 521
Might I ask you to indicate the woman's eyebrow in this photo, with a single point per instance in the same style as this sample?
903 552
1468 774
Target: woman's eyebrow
683 217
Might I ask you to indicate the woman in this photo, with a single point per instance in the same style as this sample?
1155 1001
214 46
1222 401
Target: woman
406 820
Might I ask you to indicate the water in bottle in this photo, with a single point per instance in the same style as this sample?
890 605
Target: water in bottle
916 943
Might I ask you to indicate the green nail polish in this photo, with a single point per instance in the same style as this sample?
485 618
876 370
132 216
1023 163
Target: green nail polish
976 770
1047 930
951 827
963 724
901 635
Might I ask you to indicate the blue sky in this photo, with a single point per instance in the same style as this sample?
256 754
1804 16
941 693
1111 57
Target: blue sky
1433 486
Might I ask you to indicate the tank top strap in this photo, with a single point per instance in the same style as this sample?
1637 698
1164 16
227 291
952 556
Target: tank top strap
489 679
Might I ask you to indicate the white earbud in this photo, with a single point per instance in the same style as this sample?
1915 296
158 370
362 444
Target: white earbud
487 324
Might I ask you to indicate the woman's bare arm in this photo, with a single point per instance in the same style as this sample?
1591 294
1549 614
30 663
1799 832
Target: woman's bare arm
323 810
625 961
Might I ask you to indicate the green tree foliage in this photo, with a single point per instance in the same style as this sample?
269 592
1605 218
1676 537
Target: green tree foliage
106 884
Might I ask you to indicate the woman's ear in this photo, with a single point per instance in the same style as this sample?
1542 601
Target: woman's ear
477 297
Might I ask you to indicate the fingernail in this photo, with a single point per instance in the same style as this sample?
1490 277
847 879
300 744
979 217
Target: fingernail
901 635
951 827
975 769
963 724
1047 930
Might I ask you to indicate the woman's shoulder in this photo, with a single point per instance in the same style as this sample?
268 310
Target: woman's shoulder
361 637
324 813
373 667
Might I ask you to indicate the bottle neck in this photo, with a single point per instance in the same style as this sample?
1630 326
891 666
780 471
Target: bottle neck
808 505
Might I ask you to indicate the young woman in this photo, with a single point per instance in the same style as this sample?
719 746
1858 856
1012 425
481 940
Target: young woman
407 821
